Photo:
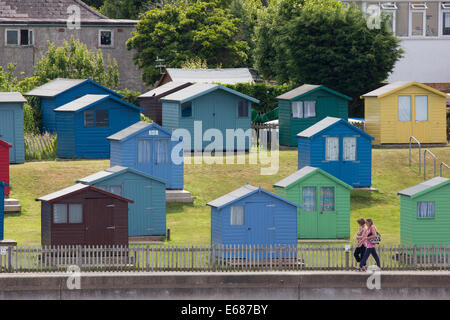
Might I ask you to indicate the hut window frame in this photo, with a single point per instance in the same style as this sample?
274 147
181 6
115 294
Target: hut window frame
237 215
102 118
309 109
352 154
309 199
59 217
186 106
327 199
331 152
243 109
420 118
162 151
429 205
145 156
404 115
76 218
297 109
116 187
89 118
67 216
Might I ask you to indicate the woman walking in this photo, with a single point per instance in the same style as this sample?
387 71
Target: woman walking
369 241
360 247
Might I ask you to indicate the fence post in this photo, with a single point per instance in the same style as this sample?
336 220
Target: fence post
213 257
347 257
415 257
79 256
9 244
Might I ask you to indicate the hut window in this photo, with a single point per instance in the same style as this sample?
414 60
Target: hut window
186 109
243 109
237 215
425 209
145 151
101 118
297 109
421 108
309 198
60 213
116 190
162 151
327 199
332 149
349 145
89 118
309 109
75 213
404 108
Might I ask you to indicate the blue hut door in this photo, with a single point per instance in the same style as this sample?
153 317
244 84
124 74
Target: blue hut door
260 223
332 161
7 131
350 162
162 158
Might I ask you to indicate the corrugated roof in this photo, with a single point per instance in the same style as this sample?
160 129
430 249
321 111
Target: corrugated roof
387 88
55 87
233 195
12 97
298 91
138 126
295 176
318 127
410 192
159 91
225 76
82 102
63 192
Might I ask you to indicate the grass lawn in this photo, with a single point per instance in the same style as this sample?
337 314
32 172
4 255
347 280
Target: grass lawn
189 224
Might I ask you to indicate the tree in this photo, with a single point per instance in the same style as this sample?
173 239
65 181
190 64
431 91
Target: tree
123 9
201 30
323 42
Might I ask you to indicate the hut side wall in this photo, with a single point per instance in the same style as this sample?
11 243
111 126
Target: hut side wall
4 166
2 211
12 130
66 143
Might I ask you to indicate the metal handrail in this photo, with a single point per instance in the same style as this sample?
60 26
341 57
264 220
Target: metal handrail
410 151
440 167
425 163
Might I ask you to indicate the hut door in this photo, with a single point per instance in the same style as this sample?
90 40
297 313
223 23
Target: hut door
100 226
327 214
308 217
260 223
7 131
162 158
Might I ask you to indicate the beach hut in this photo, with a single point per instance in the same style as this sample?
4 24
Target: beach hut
4 163
425 213
150 101
84 124
306 105
147 214
324 203
149 148
84 215
399 110
200 107
11 124
3 185
59 92
339 148
253 216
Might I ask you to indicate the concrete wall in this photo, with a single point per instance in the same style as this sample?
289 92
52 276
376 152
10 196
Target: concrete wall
231 286
27 56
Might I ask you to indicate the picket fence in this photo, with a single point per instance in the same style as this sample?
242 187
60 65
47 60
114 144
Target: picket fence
40 147
140 258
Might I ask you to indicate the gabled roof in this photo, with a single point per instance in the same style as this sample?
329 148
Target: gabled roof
224 76
57 86
77 188
115 171
15 97
399 85
307 89
241 193
135 129
89 100
306 172
200 89
5 144
425 187
164 89
328 123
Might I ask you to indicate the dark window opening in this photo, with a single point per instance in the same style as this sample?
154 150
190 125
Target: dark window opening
243 109
105 38
102 118
89 118
446 24
186 109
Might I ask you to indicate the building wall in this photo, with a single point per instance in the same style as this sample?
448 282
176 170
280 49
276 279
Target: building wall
27 56
12 130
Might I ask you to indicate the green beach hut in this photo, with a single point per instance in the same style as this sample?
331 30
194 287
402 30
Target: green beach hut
324 201
306 105
425 213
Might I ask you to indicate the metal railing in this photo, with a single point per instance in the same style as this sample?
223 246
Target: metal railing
443 164
425 162
410 151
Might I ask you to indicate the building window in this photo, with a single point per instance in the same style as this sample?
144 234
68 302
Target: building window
425 209
162 151
389 10
237 215
417 19
309 109
75 213
421 108
117 190
145 151
327 199
89 119
297 109
22 37
101 118
309 199
243 109
331 148
349 148
105 38
446 22
60 213
186 109
404 108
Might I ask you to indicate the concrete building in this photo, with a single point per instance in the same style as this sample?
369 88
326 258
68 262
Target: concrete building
27 25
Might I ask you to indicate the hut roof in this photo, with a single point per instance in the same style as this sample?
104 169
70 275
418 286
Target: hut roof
89 100
399 85
114 171
425 187
309 88
5 144
136 128
225 76
12 97
160 91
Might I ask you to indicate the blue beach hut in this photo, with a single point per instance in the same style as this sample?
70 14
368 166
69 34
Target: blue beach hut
149 148
59 92
147 215
84 124
3 185
11 124
339 148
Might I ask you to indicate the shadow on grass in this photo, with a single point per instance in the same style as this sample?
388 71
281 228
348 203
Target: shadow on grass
178 207
361 199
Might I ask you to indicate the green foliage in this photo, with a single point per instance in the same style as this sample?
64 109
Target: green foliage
195 63
130 96
200 29
145 118
123 9
31 125
40 147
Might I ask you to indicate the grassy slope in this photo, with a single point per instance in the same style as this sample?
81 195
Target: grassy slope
189 224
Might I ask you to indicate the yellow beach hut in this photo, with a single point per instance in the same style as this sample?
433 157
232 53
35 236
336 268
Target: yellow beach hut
402 109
